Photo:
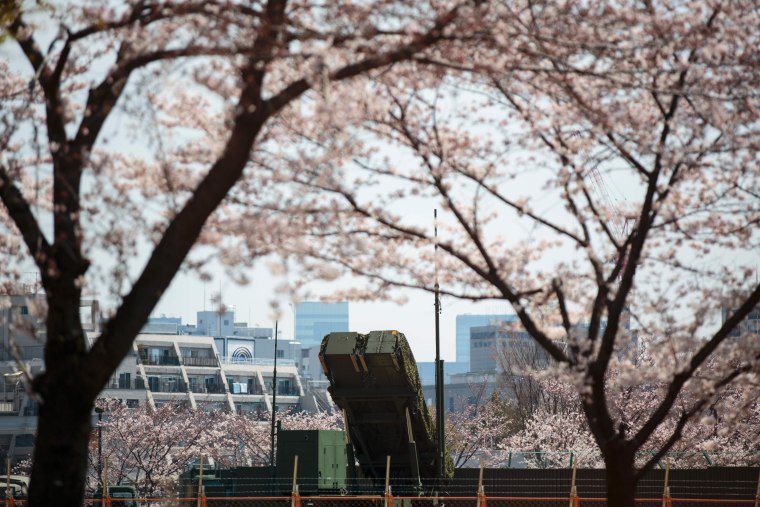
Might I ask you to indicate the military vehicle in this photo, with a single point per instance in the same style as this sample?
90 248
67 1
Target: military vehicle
375 382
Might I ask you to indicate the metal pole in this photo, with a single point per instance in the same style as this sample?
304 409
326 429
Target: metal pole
387 475
666 488
100 446
8 480
200 483
105 484
439 409
573 491
294 487
481 492
387 500
274 400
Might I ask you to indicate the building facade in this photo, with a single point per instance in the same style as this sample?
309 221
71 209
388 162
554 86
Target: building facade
490 346
313 320
232 373
464 323
749 326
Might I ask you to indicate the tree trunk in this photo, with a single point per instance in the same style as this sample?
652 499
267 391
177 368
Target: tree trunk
66 396
621 480
60 451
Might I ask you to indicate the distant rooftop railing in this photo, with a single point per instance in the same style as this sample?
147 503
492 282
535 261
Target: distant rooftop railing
256 361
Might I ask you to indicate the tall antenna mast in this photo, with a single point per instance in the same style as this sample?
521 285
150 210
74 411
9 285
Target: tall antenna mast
274 399
440 463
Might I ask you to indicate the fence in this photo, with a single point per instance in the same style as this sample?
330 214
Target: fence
403 501
566 458
721 487
396 501
715 487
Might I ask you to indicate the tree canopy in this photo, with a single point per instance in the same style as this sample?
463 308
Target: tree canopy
317 131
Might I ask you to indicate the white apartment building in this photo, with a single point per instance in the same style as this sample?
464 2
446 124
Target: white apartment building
201 372
189 371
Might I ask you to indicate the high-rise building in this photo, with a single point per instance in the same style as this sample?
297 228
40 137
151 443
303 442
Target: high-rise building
313 320
467 321
490 345
750 325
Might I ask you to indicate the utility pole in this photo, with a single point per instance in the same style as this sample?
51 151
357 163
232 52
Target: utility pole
440 435
274 399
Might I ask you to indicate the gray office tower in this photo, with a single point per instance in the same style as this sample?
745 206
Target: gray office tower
314 320
467 321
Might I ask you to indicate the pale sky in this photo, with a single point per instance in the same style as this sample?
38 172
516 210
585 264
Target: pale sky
252 304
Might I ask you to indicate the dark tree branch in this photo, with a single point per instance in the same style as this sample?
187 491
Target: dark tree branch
182 232
21 214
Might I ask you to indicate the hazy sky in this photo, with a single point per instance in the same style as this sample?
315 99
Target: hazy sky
252 304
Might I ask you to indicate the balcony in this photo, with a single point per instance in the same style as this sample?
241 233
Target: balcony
206 385
200 361
125 383
292 391
166 385
245 388
159 360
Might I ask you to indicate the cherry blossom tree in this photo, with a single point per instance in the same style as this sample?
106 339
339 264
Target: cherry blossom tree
475 427
96 171
725 434
519 148
246 439
150 448
319 132
522 365
312 421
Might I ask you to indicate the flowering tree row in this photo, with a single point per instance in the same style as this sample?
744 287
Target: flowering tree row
724 433
150 448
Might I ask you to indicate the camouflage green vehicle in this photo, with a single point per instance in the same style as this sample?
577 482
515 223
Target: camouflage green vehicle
375 381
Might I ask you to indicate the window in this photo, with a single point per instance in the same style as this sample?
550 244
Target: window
280 353
226 322
26 440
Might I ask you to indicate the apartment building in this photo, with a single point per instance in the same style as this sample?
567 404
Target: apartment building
189 371
199 372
